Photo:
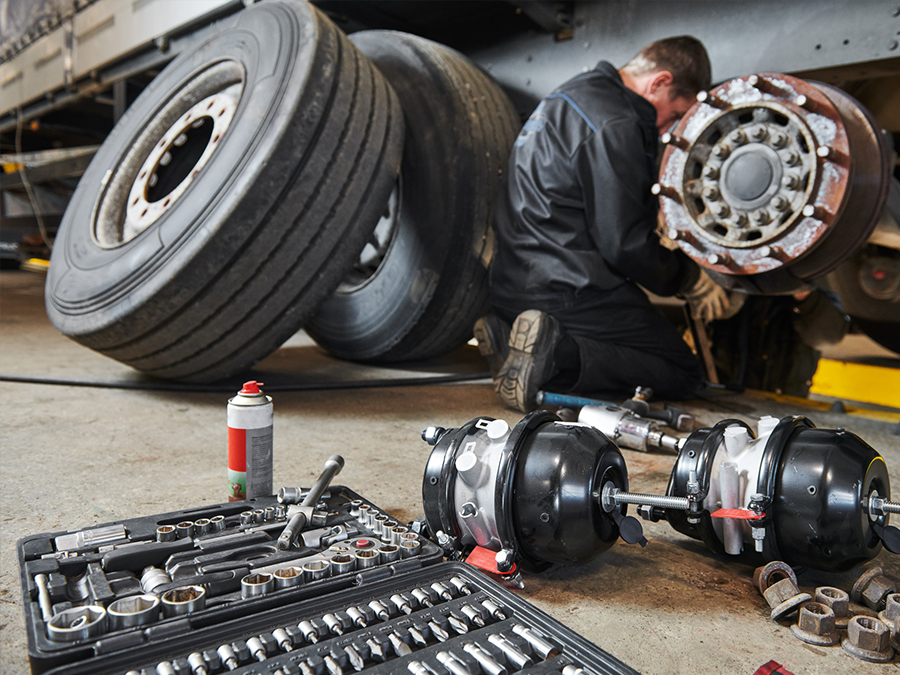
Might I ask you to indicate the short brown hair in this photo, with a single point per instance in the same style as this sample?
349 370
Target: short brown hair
683 56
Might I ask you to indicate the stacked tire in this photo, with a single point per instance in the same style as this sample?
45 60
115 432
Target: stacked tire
245 183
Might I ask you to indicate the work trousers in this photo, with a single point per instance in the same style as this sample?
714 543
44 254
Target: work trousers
622 341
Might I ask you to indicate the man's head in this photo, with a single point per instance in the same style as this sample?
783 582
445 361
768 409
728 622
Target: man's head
669 73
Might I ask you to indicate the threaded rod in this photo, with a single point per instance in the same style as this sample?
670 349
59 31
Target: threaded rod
663 502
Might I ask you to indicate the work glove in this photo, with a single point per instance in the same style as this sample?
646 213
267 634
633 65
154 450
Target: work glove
708 301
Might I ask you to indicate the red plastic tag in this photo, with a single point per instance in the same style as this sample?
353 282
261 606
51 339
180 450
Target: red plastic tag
772 668
738 514
486 560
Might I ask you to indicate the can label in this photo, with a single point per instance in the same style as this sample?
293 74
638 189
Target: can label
249 463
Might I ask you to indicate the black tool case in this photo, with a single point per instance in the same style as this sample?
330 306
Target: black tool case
413 614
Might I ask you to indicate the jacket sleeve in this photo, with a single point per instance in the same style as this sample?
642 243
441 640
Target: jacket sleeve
616 173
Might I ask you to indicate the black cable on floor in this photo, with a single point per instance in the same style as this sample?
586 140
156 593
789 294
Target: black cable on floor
230 386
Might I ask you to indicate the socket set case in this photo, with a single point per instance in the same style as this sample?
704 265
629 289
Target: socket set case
413 614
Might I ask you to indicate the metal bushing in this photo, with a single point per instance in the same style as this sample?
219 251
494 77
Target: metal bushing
872 588
768 574
136 610
839 602
868 639
784 597
253 585
816 625
184 600
77 623
287 577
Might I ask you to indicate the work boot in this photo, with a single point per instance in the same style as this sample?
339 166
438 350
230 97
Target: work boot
532 340
492 334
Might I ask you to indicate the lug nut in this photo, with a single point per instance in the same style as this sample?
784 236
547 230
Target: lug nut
868 639
838 600
711 193
710 171
722 151
784 598
778 139
737 137
816 625
780 203
770 252
759 133
761 217
872 588
793 159
722 210
791 182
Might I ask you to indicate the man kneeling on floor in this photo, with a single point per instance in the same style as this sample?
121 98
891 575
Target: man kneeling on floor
575 226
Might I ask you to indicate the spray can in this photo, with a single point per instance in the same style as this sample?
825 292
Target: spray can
250 416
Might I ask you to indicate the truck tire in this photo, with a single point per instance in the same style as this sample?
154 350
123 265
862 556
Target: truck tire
230 199
422 282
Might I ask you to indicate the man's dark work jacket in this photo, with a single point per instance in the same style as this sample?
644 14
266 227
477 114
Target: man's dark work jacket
577 218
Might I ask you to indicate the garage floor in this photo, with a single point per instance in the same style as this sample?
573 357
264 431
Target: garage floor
73 457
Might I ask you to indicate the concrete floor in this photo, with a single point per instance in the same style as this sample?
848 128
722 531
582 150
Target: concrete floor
74 457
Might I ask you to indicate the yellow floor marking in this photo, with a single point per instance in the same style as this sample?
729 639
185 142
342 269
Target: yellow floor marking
880 415
857 382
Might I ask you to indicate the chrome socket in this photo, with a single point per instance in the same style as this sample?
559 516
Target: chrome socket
367 558
342 563
410 548
287 577
389 553
387 529
77 623
184 529
165 533
184 600
201 527
397 534
253 585
315 570
217 524
137 610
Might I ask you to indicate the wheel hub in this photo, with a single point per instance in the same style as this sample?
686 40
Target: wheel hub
756 177
168 155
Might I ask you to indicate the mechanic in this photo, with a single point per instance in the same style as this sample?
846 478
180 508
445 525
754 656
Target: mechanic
575 226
